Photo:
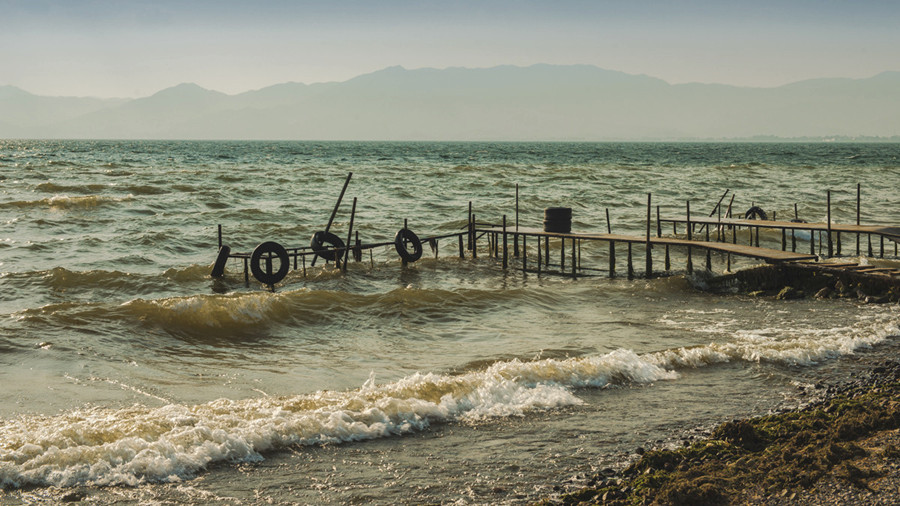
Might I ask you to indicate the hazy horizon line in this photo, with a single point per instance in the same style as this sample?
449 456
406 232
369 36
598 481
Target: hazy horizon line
183 83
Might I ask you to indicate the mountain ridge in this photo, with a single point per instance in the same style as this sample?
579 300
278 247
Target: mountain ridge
538 102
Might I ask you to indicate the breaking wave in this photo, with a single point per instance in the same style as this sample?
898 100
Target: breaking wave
140 444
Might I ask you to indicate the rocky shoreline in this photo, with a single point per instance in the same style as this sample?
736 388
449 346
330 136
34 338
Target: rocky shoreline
842 448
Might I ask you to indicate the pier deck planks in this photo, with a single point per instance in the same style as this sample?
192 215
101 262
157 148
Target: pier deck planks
767 254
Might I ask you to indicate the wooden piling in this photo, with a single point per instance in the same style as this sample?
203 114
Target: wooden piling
350 235
690 263
473 236
574 257
812 242
547 251
524 253
562 255
470 242
858 195
462 253
708 253
828 224
220 236
539 254
612 259
630 264
658 224
505 250
649 248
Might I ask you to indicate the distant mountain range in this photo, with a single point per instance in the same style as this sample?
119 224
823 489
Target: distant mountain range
540 102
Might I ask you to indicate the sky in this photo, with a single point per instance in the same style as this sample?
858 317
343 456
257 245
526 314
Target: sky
130 48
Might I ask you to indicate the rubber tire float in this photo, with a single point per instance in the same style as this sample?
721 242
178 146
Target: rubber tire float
327 246
404 238
267 277
755 213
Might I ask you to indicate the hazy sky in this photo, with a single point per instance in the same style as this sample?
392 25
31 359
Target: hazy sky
129 48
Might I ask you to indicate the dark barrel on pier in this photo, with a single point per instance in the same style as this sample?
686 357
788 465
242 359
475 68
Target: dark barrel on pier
558 219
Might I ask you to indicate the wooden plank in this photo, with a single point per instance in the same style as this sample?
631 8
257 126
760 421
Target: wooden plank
790 225
767 254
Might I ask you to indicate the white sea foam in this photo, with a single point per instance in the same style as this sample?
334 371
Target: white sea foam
139 444
174 442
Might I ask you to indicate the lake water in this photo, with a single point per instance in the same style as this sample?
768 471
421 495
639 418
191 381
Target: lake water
123 363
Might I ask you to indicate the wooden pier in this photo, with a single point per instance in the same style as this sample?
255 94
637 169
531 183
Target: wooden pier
833 233
510 242
500 239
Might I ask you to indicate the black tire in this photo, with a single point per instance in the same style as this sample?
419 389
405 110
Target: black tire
218 269
327 246
402 240
755 213
267 277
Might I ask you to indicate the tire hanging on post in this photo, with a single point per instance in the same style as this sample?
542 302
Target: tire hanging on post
404 238
327 245
266 276
755 213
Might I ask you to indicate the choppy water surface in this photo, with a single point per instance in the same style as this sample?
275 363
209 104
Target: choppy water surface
123 363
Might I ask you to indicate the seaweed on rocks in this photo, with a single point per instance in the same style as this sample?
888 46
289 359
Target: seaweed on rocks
767 456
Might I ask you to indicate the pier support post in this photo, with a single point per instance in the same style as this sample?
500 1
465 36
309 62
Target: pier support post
547 251
612 259
524 253
350 236
220 236
649 248
539 254
783 240
858 195
668 262
828 225
812 242
574 257
708 253
469 242
658 224
562 255
505 245
690 263
630 265
473 237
